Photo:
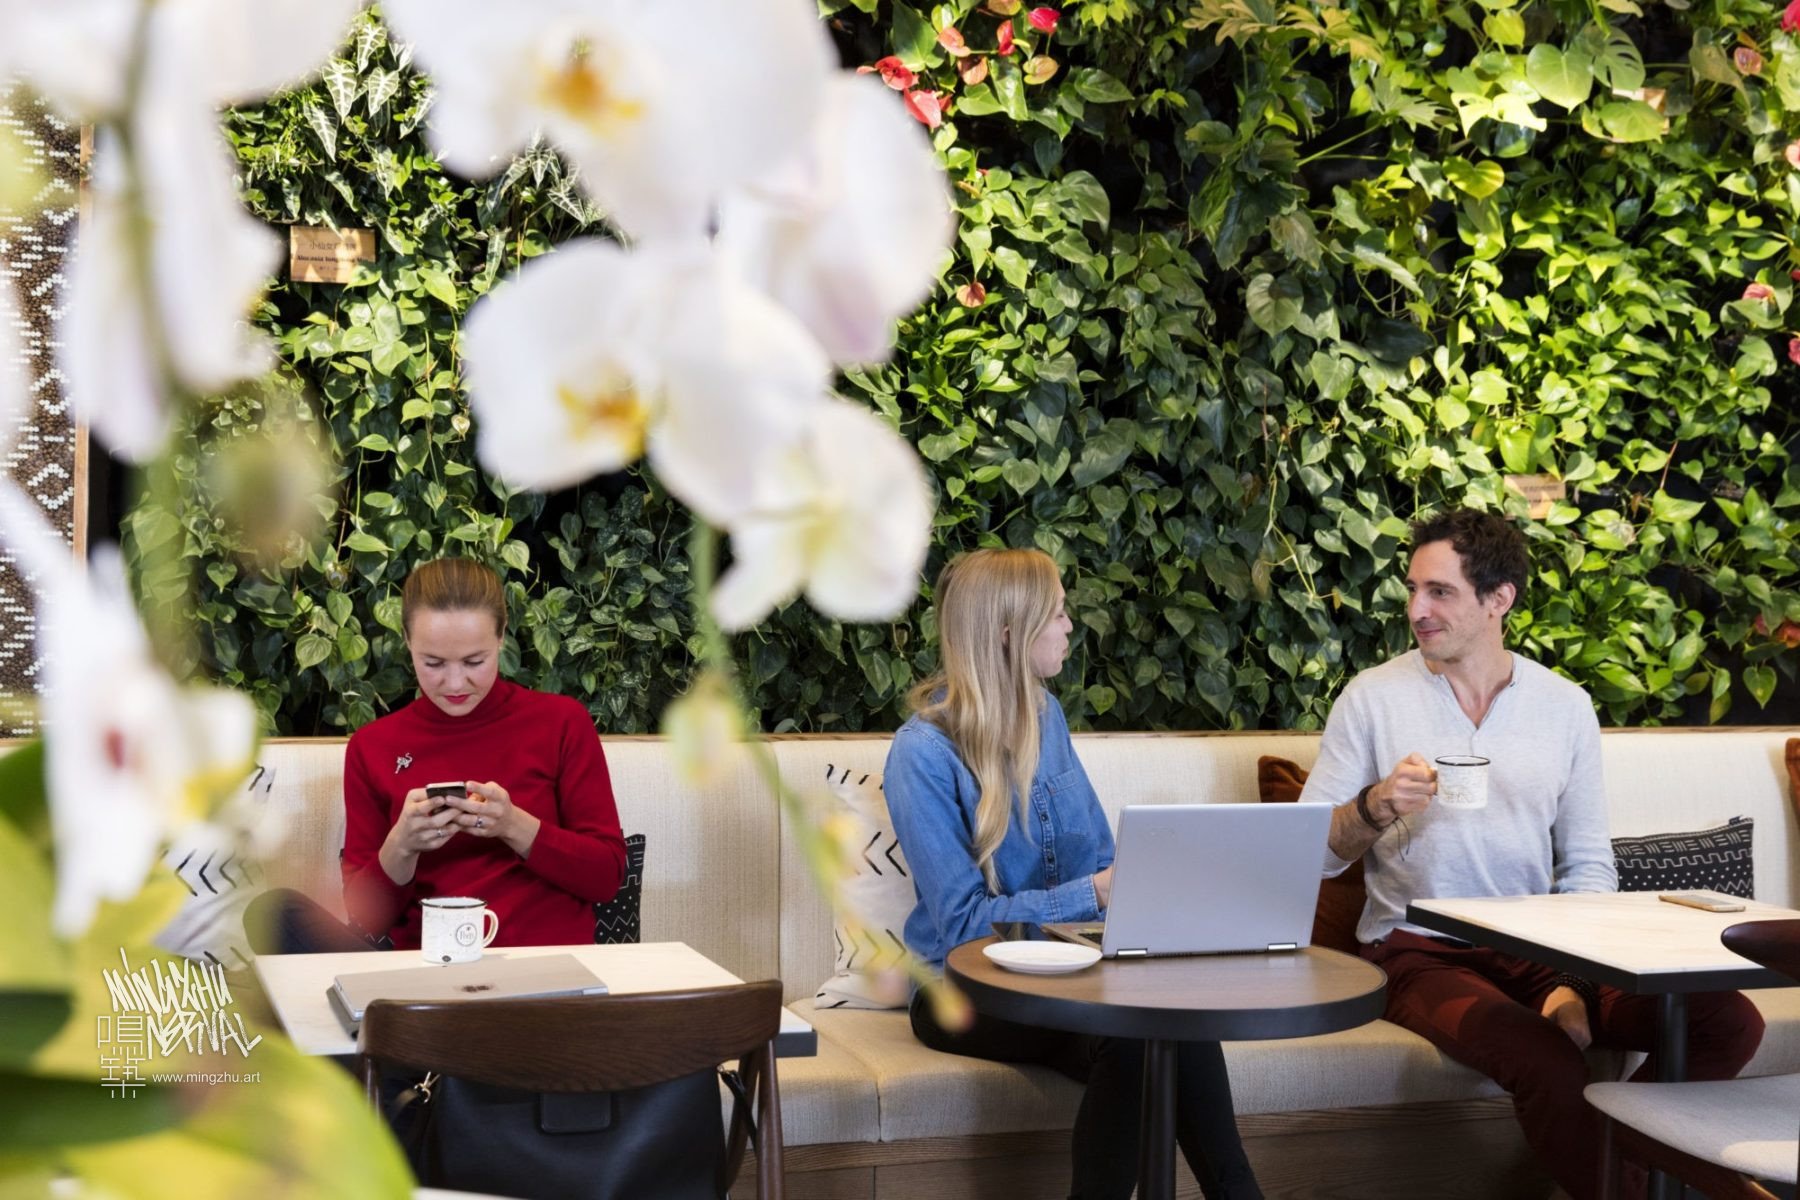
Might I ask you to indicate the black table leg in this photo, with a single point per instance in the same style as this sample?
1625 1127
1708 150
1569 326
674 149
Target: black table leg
1671 1067
1156 1141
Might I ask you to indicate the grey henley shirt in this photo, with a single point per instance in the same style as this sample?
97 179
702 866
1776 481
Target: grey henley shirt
1544 828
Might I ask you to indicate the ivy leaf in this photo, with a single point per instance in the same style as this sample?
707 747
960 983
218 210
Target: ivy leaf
978 101
342 84
311 650
1667 508
1515 449
1097 87
1479 180
1012 266
1561 77
914 40
1632 121
368 543
1367 254
1101 697
1761 682
1507 28
1084 194
1105 452
1396 341
1020 474
1295 236
1273 302
1709 64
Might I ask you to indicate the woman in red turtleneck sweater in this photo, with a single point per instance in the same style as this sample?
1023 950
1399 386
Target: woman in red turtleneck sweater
537 836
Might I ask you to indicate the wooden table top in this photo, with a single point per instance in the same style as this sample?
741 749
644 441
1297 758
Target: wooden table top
1628 940
295 984
1208 997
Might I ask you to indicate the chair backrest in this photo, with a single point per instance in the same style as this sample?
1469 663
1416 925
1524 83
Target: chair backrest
575 1043
1771 944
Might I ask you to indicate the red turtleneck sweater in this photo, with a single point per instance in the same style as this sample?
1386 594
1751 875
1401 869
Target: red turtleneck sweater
543 750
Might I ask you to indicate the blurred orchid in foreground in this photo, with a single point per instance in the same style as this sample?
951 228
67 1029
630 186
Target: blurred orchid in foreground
593 356
846 517
851 233
132 756
143 317
658 119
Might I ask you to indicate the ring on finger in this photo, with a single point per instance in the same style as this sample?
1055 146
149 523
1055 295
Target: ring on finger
480 822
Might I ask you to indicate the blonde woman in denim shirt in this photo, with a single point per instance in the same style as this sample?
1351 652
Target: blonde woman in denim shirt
999 823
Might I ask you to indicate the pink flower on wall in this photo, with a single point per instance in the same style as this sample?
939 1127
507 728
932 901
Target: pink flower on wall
1794 350
1006 36
1759 291
1790 19
928 109
894 73
1043 19
1747 61
1792 153
951 39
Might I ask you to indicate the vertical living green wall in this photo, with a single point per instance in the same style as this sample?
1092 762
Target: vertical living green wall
1239 289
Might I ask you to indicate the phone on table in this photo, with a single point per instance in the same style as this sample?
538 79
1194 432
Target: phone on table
442 791
1704 901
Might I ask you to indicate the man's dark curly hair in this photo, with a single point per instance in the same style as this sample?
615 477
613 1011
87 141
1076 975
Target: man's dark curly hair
1491 547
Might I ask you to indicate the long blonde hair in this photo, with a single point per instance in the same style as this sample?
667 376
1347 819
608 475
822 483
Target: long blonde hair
991 606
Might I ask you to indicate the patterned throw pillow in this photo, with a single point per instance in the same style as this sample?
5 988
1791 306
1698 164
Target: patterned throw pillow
220 880
616 921
1713 860
880 893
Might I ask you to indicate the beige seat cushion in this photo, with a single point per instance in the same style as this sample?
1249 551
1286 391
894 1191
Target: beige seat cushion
1377 1063
928 1094
828 1097
1780 1049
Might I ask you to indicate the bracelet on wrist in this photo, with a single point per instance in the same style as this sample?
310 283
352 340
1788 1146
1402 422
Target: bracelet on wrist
1362 810
1585 988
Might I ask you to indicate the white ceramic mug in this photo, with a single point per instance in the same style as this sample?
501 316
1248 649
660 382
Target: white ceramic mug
1462 781
455 929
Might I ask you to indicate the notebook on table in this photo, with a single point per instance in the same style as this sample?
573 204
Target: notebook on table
488 978
1210 879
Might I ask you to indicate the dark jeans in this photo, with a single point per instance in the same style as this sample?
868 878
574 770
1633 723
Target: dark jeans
1106 1127
1483 1008
283 921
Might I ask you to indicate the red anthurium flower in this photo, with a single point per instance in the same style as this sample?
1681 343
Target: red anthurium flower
973 70
1794 350
1789 633
1006 36
1790 19
1043 19
1759 291
894 73
1792 153
1759 625
951 39
1795 274
928 109
971 294
1747 61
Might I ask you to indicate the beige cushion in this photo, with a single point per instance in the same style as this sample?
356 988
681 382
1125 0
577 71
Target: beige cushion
827 1097
1780 1049
928 1094
1748 1125
1377 1063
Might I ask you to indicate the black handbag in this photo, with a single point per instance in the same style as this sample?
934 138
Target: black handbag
663 1140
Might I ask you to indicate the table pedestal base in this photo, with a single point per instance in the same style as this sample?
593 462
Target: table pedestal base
1156 1140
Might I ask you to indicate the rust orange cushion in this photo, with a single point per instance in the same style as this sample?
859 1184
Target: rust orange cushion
1341 900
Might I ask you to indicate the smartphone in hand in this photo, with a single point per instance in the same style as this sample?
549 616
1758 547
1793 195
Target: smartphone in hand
442 791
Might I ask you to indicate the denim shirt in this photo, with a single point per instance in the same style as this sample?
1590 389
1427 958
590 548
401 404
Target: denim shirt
1045 865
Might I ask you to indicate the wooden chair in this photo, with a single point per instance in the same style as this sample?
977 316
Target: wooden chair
1718 1137
597 1044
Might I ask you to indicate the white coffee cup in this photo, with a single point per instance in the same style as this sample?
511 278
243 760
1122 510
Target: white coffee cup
1462 781
455 929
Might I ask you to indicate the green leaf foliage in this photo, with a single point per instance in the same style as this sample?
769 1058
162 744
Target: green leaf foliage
1263 283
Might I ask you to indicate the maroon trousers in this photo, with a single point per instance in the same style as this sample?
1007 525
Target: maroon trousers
1484 1008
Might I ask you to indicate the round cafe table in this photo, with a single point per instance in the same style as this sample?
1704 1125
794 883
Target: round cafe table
1166 1001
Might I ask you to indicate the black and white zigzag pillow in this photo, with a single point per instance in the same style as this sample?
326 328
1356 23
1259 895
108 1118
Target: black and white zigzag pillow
617 920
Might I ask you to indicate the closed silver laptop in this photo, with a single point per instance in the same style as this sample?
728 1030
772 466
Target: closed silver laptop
1211 879
492 977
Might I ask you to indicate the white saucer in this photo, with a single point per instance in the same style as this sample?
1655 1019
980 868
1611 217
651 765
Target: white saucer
1042 958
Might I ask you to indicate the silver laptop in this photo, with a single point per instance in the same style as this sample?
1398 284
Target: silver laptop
489 978
1211 879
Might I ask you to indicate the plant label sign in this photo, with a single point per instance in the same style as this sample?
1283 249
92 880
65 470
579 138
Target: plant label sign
1540 492
321 254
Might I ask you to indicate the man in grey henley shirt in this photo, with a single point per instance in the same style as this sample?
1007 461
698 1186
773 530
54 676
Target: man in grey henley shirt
1544 829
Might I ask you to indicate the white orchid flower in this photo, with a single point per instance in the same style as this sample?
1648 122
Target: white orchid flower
851 233
846 516
174 309
591 356
132 756
661 106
